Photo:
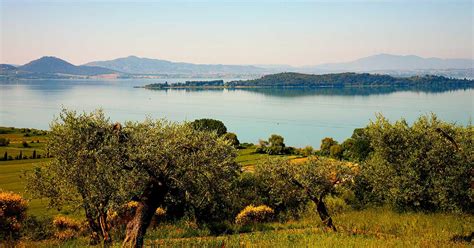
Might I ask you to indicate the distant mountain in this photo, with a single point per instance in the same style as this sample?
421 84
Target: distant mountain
388 62
4 68
136 65
53 65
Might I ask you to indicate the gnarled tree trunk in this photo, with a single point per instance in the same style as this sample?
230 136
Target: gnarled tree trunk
320 206
324 213
150 200
95 229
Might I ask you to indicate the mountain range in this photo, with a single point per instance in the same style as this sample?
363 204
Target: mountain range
136 65
132 66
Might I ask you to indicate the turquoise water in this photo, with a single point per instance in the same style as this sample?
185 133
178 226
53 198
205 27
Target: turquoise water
301 116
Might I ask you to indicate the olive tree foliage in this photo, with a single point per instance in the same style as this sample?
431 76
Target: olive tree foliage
425 166
99 166
182 166
289 186
87 168
275 189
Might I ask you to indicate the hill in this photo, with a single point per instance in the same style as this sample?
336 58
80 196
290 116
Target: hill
53 65
389 62
7 68
136 65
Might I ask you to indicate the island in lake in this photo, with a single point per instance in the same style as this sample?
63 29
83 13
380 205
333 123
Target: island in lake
299 80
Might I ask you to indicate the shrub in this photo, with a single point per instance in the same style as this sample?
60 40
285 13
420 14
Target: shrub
37 228
62 223
252 214
4 141
65 235
160 212
25 144
336 205
66 228
12 213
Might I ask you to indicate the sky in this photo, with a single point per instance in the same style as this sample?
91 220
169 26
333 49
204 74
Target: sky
234 32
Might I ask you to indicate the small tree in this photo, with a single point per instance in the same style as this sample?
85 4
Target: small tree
5 156
274 146
307 151
312 180
90 173
336 151
326 144
34 154
232 138
357 148
210 125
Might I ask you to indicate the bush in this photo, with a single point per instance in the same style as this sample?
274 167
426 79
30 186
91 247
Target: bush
4 141
336 205
66 228
252 214
12 213
63 223
37 228
25 144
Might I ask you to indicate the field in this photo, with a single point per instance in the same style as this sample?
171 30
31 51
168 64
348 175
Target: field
367 228
376 227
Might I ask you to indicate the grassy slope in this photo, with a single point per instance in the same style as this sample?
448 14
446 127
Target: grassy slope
368 228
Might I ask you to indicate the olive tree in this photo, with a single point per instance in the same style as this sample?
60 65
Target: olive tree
87 168
181 163
291 185
424 166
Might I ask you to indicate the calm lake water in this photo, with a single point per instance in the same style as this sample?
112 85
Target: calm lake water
301 116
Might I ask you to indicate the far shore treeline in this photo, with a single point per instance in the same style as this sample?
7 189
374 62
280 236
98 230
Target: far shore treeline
299 80
189 170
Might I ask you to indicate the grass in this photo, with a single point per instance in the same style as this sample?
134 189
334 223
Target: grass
376 227
248 158
35 140
367 228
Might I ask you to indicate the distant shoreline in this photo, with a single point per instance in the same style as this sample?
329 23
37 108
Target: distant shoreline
299 80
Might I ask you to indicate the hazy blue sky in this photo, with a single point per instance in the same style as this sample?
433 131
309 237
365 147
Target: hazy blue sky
234 32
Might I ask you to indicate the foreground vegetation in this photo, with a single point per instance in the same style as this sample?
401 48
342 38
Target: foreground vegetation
156 182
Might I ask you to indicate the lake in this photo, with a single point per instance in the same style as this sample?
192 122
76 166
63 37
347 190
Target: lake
302 116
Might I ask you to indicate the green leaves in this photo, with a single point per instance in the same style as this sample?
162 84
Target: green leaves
425 166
